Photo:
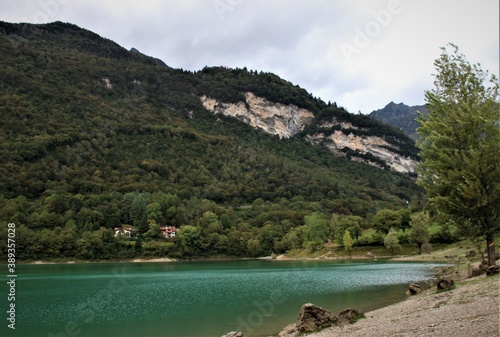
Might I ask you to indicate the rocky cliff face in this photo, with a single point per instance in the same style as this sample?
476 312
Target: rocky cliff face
345 139
274 118
340 137
338 141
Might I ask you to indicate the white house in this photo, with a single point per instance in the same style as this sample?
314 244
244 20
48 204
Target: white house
123 231
168 231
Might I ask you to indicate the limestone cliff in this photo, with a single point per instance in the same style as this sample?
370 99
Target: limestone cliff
274 118
368 149
341 137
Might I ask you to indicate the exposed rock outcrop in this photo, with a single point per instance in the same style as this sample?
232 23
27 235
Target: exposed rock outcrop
413 289
274 118
287 120
376 146
313 317
349 316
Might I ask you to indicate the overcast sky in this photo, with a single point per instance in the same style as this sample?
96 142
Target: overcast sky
361 54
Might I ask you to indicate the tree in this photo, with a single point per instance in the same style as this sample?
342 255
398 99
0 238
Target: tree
347 241
460 146
419 234
291 240
316 230
391 241
386 219
253 247
349 223
153 231
153 211
405 218
210 223
138 244
190 240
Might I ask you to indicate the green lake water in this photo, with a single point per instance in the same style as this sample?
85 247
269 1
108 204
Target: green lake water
199 299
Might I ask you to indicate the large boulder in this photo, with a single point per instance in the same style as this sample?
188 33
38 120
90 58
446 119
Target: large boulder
413 289
349 316
445 284
312 317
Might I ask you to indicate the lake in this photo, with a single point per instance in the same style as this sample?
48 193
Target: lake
201 299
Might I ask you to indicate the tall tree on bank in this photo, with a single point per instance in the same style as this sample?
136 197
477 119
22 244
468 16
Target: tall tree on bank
347 241
460 146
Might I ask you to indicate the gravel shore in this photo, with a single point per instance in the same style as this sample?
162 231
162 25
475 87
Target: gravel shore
470 310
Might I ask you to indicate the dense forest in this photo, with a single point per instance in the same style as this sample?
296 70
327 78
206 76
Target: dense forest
95 137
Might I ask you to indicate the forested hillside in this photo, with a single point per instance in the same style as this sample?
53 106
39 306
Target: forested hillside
94 136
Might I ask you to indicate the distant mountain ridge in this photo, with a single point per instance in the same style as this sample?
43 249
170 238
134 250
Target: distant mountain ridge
401 116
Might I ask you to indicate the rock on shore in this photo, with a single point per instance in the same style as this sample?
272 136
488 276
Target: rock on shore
313 317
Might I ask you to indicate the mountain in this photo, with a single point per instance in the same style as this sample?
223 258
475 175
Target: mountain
356 137
94 136
401 116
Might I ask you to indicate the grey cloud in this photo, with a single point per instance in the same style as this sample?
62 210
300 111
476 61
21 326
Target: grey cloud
298 40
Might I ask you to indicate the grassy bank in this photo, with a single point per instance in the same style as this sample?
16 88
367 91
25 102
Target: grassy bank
453 253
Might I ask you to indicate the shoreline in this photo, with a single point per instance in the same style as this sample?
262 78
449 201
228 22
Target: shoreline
282 257
136 260
170 260
471 309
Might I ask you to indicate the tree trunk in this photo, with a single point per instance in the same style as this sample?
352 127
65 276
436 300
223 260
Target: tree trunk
490 248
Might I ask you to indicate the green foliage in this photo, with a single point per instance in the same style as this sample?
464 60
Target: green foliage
350 223
290 241
347 242
405 218
391 241
419 233
153 231
386 219
254 248
94 137
316 231
370 238
189 240
460 146
447 234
